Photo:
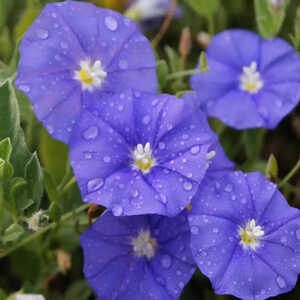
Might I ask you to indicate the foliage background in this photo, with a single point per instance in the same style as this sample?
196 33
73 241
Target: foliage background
35 172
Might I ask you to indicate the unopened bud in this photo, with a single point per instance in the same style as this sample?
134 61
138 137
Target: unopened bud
185 43
204 39
63 260
277 5
203 63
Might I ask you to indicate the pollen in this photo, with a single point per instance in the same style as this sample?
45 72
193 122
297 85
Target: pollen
250 80
143 159
251 235
90 74
144 245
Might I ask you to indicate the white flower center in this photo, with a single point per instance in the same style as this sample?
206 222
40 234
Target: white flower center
251 81
148 9
91 75
250 235
144 244
142 158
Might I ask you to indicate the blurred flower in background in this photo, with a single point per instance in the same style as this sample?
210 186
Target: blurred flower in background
149 10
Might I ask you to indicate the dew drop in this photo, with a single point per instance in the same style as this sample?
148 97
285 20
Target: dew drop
64 45
91 133
146 120
87 155
111 23
194 230
161 146
298 234
166 261
281 282
195 150
228 188
42 34
107 159
24 88
187 186
154 102
95 184
117 210
123 64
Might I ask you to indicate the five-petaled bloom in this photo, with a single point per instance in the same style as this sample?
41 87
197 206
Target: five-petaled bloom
141 153
138 257
75 50
251 82
245 236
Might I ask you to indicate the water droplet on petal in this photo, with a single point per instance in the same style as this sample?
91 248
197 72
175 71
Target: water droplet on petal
123 64
117 210
188 186
111 23
298 234
42 34
95 184
107 159
195 149
161 146
64 45
166 261
194 230
146 120
281 282
24 88
91 133
228 188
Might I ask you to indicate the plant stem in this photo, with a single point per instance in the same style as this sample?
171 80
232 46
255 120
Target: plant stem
35 235
290 174
68 185
182 74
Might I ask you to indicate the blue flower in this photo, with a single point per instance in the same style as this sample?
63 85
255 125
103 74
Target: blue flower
145 10
251 82
75 50
245 236
141 153
138 257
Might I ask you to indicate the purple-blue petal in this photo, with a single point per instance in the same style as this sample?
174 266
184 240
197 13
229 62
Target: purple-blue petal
66 34
215 220
115 272
109 130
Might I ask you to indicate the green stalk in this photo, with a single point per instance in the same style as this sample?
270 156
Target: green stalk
290 174
37 234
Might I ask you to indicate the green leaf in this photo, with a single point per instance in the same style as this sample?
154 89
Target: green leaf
31 12
12 233
51 187
162 70
55 212
203 63
18 194
204 7
35 180
5 149
54 155
272 168
81 288
10 127
4 9
173 58
269 21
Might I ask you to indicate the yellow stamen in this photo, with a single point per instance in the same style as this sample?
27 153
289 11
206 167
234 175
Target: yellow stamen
85 77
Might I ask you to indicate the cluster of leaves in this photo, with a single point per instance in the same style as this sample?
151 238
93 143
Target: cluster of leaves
35 173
